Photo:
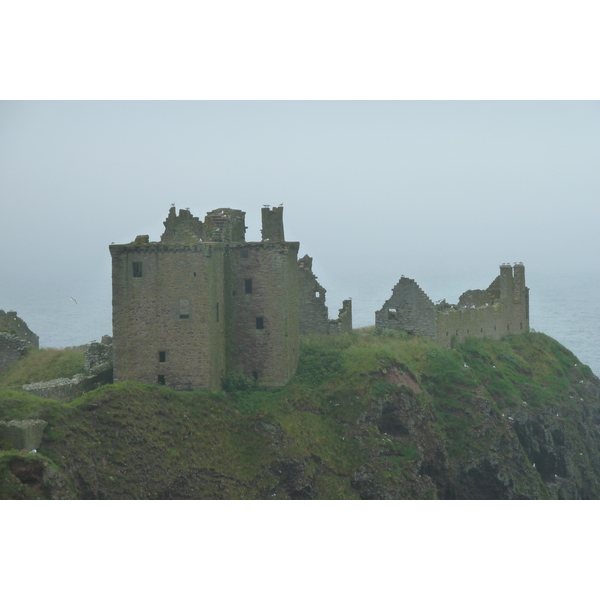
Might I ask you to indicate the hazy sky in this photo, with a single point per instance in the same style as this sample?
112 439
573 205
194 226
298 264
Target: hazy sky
371 190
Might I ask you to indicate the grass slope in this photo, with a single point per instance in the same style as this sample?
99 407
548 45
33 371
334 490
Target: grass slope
367 415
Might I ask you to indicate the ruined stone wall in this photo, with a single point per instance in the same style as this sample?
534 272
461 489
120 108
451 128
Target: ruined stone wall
167 324
262 314
21 434
313 314
343 324
500 310
97 354
408 309
11 323
11 349
66 390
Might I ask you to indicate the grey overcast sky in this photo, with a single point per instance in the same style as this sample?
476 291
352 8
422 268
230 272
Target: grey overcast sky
370 189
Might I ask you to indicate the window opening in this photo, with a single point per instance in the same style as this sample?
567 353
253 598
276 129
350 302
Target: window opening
161 380
255 375
217 312
392 313
248 286
162 356
137 269
184 309
260 324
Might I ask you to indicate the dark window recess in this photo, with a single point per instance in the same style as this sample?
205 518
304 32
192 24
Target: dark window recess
161 380
494 328
260 324
248 286
233 292
162 356
446 333
508 328
467 331
194 273
137 269
184 309
520 325
217 312
255 375
482 330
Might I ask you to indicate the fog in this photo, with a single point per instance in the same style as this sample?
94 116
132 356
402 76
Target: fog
432 190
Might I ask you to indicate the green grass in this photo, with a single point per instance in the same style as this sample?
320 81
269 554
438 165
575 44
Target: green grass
42 364
131 440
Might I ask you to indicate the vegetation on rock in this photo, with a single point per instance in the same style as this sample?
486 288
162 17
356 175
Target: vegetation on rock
371 414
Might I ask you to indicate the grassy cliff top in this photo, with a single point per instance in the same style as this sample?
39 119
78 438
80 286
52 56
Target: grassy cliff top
370 414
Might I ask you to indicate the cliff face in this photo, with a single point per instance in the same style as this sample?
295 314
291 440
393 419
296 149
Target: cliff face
366 416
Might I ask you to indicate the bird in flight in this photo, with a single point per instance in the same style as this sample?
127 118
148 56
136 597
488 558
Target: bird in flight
73 299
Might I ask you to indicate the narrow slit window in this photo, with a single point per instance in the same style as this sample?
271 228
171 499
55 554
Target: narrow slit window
217 312
255 375
260 323
520 325
161 380
508 328
162 356
248 286
137 269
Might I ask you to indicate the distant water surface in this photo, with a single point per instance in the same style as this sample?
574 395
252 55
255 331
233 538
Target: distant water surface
566 307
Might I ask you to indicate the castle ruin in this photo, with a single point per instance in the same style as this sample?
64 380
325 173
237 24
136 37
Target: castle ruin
499 310
313 314
203 304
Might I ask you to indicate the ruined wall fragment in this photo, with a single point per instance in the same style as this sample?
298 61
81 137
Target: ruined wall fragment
408 309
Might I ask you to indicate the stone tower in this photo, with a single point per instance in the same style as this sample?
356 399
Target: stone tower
203 303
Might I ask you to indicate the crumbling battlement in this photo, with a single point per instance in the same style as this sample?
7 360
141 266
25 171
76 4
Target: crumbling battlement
343 324
501 309
11 349
11 323
312 311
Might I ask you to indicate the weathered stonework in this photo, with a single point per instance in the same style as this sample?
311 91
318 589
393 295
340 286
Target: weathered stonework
65 390
203 303
21 435
312 311
97 354
501 309
12 348
11 323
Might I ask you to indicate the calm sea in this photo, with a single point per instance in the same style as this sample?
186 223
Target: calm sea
64 313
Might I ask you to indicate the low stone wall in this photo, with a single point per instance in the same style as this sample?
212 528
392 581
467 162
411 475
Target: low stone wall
21 435
65 390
